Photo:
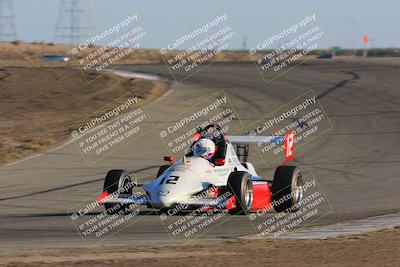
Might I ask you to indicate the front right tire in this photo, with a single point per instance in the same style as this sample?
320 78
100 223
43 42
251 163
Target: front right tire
162 169
286 189
119 182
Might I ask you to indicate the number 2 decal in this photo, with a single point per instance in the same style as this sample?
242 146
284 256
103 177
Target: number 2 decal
289 145
171 180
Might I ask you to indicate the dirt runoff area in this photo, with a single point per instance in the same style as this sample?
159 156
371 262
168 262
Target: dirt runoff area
380 248
38 104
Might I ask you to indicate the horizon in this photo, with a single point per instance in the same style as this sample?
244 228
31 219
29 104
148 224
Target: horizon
342 25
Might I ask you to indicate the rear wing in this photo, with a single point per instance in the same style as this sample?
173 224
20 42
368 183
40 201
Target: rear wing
243 141
253 140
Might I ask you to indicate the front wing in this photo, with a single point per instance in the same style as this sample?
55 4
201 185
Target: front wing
261 199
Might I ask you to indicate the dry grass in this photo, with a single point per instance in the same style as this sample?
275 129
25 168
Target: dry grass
29 54
39 103
374 249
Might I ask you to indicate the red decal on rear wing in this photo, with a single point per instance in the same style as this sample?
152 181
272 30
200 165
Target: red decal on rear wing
289 146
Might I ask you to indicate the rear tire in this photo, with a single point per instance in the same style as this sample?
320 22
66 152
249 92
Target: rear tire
117 181
287 184
241 186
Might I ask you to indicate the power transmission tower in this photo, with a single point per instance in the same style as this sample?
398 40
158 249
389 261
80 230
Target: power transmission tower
7 25
244 43
73 23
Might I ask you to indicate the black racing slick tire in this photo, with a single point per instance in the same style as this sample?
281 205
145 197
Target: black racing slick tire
162 169
241 186
117 182
286 189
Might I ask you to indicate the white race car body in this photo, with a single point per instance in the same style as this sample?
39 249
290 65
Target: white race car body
190 176
195 181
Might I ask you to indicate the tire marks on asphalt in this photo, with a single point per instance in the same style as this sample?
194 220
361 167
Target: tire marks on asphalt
355 76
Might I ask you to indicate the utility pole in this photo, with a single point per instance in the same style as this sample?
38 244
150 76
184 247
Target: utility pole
353 22
7 21
72 23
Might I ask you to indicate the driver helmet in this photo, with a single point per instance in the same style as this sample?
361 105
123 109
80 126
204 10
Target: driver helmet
204 148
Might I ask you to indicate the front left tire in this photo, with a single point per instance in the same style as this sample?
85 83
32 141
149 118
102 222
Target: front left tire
241 187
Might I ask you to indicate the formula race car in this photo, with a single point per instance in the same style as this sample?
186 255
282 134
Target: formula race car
224 181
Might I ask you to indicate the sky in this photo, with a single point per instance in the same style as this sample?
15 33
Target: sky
163 21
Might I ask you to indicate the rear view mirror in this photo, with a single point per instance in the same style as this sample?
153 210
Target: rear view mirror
170 159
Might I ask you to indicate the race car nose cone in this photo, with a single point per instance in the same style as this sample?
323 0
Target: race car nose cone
161 201
177 184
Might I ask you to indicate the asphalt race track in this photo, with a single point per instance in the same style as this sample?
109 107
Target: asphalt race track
356 163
